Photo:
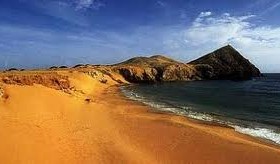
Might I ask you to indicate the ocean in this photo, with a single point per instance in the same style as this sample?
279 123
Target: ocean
250 107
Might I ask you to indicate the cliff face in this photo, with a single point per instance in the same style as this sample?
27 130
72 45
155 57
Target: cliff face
155 69
224 63
227 63
137 74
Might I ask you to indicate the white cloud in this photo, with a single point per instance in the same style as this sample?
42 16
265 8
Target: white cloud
217 30
200 17
261 44
205 14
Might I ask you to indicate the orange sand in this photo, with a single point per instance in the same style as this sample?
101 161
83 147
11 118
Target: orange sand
44 125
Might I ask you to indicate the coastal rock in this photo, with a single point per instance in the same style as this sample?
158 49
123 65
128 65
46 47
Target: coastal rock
179 72
155 69
226 63
138 75
204 71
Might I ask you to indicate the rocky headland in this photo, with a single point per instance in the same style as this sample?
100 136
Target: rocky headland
223 64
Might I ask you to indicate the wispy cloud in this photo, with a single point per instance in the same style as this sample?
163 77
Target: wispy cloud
61 10
70 11
161 3
263 7
272 7
89 4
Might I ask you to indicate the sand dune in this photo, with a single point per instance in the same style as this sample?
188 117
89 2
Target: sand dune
89 121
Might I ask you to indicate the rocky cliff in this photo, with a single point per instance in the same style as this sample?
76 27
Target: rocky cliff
224 63
155 69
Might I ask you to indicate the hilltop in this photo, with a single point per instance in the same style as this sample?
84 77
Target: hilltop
228 63
225 63
153 61
155 69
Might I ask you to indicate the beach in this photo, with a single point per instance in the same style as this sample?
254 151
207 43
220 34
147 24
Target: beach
94 122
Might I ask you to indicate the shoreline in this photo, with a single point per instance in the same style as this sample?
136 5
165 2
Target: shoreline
96 123
153 110
210 121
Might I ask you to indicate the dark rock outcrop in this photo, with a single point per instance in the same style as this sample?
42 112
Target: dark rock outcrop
12 69
62 67
226 63
53 68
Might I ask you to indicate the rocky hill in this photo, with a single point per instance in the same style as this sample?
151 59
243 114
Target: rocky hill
155 69
227 63
224 63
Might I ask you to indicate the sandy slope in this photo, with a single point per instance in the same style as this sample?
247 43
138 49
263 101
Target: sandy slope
40 124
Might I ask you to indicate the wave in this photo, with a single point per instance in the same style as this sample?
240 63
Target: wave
264 133
259 132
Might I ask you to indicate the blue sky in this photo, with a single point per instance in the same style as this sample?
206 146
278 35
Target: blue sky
42 33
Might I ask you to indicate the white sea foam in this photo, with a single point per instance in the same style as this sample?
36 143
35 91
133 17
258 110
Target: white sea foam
200 116
163 107
260 132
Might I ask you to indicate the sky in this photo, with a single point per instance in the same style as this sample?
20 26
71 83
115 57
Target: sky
43 33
